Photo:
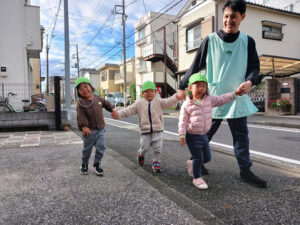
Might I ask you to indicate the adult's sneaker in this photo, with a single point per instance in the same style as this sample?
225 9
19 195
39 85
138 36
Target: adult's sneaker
98 169
140 159
250 177
84 169
156 167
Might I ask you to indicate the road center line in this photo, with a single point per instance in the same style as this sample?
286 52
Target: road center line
283 159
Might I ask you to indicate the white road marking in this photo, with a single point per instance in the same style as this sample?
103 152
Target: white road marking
283 159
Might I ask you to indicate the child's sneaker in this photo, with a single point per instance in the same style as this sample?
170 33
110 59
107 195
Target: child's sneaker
84 169
98 169
156 167
190 167
140 159
200 183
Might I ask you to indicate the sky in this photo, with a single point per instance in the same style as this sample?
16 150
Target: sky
94 28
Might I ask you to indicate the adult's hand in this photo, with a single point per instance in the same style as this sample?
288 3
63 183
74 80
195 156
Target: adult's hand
245 87
181 94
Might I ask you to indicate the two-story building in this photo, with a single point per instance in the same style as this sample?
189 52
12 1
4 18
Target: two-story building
107 78
154 39
275 32
20 41
130 75
93 75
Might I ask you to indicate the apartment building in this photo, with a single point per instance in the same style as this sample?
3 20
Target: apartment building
154 39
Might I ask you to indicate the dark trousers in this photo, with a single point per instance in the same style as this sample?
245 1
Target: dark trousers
239 131
199 148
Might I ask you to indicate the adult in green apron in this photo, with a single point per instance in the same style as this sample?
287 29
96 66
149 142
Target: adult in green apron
230 59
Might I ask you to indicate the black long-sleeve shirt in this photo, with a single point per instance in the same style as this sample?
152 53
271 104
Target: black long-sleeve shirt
200 58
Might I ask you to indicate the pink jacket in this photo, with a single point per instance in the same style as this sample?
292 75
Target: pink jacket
195 119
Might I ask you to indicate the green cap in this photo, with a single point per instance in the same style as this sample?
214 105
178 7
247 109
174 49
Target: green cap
148 85
197 77
82 80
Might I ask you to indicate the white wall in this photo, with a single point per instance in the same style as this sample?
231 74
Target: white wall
13 52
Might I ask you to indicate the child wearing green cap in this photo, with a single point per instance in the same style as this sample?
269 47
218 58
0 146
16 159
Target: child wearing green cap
194 122
91 121
149 110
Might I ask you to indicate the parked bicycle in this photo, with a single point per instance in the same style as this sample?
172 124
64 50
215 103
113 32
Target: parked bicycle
34 106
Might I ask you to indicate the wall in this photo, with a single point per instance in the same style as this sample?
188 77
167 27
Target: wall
206 11
30 120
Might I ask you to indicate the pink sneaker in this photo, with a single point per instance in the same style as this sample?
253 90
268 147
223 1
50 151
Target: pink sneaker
190 167
200 183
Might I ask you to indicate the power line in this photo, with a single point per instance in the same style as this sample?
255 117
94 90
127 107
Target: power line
136 32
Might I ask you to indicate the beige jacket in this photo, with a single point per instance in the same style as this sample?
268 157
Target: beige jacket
149 112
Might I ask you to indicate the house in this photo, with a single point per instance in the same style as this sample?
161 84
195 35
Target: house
154 52
93 75
107 78
130 75
20 41
275 32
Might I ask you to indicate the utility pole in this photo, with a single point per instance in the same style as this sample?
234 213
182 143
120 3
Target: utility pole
47 65
124 47
165 62
67 59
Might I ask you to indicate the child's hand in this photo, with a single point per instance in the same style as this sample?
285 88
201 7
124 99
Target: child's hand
182 141
86 131
114 114
180 95
239 92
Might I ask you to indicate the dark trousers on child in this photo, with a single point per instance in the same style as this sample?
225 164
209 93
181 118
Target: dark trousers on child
199 148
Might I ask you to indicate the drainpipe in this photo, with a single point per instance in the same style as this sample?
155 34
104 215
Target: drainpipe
216 12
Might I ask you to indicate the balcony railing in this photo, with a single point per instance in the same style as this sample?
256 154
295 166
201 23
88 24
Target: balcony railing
157 47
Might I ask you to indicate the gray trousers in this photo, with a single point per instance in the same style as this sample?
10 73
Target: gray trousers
89 141
151 141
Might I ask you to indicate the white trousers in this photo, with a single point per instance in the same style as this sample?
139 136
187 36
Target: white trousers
151 141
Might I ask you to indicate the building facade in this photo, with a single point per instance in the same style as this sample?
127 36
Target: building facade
107 78
153 38
275 32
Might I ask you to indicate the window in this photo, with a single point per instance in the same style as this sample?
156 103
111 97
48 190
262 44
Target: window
193 38
141 33
289 8
112 74
104 76
272 30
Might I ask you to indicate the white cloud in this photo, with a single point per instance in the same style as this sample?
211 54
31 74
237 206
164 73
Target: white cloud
89 16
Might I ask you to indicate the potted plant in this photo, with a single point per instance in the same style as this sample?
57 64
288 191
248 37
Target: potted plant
66 126
281 105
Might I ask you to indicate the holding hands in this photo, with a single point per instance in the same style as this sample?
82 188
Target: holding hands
114 114
182 141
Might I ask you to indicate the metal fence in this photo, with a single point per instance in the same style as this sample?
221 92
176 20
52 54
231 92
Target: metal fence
22 91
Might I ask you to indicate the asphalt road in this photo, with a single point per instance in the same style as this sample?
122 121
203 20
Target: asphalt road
282 142
228 197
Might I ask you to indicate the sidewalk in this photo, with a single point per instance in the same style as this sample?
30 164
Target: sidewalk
41 184
261 119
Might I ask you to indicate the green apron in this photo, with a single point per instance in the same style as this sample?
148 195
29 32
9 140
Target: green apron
226 65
